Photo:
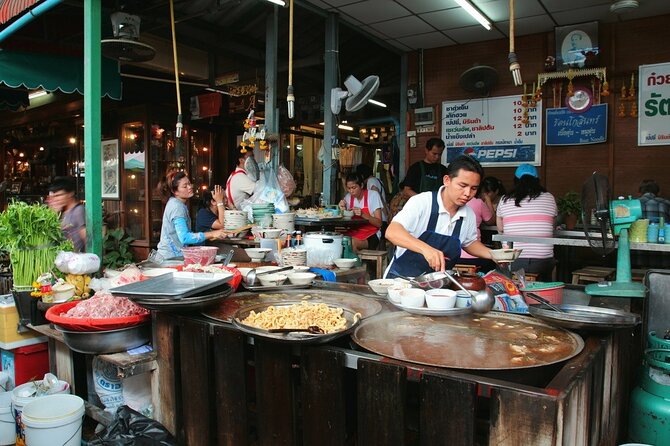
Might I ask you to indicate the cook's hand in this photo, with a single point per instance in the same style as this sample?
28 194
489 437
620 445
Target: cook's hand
219 234
357 211
435 258
343 205
218 195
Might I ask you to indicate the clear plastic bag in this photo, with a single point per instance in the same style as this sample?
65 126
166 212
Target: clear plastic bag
286 181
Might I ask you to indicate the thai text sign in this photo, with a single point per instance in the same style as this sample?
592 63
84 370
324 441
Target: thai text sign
565 127
493 131
654 105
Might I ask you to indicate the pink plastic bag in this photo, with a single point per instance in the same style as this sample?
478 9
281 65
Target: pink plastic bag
286 181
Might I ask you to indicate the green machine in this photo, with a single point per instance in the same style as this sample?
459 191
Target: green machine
613 219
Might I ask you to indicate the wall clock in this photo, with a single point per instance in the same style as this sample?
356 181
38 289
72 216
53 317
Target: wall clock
580 101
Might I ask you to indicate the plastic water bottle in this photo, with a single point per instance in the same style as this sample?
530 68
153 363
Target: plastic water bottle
322 200
661 231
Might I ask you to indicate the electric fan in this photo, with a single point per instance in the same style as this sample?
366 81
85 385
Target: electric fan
125 46
613 218
357 94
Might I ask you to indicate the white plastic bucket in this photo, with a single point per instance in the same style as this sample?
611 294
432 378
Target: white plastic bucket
7 423
23 395
54 420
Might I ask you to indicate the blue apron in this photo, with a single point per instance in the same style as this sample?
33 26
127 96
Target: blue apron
412 264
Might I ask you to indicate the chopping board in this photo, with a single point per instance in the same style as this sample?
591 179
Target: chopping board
358 304
494 341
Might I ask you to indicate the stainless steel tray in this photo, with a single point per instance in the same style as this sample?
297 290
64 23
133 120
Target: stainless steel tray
274 288
294 337
191 303
175 285
581 317
425 311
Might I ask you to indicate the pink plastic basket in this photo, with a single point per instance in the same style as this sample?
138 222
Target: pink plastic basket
552 291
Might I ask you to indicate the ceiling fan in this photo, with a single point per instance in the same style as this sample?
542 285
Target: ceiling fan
125 45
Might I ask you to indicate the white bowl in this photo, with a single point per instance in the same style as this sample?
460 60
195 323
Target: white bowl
270 232
257 254
345 263
394 291
440 299
505 254
272 279
62 292
412 297
300 268
380 286
301 278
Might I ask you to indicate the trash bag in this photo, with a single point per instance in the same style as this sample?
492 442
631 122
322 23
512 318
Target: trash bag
132 428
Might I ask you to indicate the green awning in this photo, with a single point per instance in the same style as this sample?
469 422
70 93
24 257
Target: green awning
55 72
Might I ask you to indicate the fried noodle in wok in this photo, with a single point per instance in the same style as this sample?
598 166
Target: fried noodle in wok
302 315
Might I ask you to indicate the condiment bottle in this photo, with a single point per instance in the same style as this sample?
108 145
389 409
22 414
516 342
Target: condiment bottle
298 240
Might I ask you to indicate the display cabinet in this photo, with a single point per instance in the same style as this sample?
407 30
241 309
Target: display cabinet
150 150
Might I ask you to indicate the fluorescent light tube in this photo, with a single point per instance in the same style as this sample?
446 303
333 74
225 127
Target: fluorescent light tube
278 2
377 103
465 4
37 94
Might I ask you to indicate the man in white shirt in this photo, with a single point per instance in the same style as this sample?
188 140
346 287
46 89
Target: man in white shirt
239 186
433 226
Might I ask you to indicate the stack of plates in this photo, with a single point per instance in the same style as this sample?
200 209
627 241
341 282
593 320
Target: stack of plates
260 210
294 257
284 221
234 219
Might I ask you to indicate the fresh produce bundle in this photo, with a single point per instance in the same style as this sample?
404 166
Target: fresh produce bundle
32 235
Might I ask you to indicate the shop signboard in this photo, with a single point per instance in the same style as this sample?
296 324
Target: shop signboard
566 128
493 130
654 105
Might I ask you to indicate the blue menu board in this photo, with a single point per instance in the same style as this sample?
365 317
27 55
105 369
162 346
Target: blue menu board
566 128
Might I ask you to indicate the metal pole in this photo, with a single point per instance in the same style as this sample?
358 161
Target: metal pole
271 118
329 127
92 126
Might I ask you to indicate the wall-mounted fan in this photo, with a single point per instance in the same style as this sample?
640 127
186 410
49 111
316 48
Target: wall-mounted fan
613 218
479 79
125 46
357 94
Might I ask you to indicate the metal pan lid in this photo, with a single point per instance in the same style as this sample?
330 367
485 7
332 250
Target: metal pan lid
586 317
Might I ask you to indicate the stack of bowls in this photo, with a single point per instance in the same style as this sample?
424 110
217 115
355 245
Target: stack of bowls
234 219
293 257
284 221
260 210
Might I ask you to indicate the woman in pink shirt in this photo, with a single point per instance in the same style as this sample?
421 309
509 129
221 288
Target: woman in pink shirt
531 211
484 209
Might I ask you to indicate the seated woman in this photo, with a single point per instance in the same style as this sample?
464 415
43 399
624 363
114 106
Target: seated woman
210 216
367 205
176 227
484 205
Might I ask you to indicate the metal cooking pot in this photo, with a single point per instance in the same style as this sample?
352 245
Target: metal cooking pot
322 247
110 341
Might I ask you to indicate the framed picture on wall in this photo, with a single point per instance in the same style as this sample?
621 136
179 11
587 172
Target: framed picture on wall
111 181
577 46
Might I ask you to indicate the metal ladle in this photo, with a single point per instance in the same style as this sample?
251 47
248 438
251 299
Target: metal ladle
250 278
482 301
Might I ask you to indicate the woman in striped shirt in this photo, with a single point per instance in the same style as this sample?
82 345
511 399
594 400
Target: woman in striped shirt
529 210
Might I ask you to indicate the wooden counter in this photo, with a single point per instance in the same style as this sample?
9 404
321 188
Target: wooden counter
219 386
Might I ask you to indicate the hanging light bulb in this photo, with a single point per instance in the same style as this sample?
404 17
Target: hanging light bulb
290 101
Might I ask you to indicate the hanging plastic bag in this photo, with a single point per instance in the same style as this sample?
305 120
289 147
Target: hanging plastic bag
272 192
286 181
77 262
251 168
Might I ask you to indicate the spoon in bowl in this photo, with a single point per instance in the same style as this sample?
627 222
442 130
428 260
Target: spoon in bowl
482 301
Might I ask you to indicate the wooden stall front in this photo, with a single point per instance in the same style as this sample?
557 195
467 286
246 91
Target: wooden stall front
220 387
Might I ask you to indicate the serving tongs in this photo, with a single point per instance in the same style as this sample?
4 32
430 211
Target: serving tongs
544 301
